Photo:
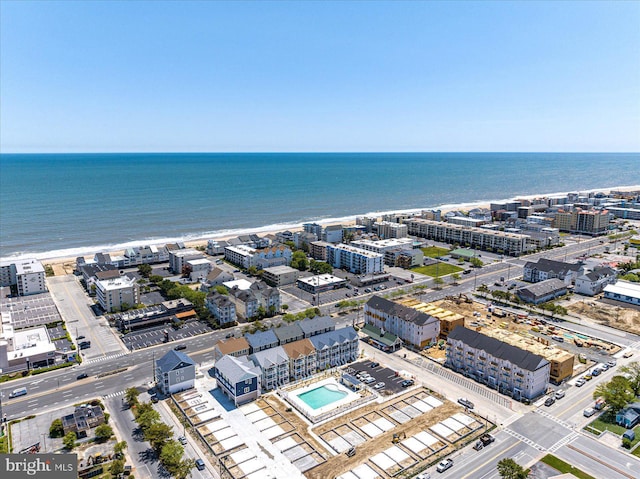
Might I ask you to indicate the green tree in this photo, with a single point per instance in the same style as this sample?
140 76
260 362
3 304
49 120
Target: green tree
171 455
69 440
131 396
617 392
56 429
455 277
117 467
119 448
299 261
103 432
252 270
633 369
148 419
284 307
155 278
145 270
438 281
320 267
158 434
476 262
510 469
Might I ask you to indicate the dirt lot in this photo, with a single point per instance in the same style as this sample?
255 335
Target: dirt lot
337 465
609 314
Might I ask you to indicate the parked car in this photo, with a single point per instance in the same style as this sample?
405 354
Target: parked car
406 383
580 382
466 403
588 412
229 335
611 363
596 372
180 347
587 377
182 440
380 385
628 354
466 271
374 365
560 394
549 401
370 380
483 441
80 337
82 376
200 464
444 465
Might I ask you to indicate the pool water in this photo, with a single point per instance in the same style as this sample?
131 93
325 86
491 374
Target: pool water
322 396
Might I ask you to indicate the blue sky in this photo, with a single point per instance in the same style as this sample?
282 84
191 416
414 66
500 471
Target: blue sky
319 76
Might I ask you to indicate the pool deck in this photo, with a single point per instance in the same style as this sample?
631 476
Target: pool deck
292 396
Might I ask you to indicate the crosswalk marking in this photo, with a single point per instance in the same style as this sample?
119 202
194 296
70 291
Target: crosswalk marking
103 358
114 395
564 441
553 418
524 439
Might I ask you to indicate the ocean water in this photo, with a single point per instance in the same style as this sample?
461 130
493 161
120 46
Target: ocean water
69 204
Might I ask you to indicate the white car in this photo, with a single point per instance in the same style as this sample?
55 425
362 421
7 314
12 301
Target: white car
380 385
444 465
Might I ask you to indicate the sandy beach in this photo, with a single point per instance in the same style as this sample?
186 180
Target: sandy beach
62 266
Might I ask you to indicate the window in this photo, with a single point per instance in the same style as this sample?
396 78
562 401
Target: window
246 390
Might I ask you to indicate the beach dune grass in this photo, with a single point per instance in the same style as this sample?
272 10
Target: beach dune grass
564 467
439 270
434 251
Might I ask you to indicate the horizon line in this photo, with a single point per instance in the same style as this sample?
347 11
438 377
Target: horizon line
301 152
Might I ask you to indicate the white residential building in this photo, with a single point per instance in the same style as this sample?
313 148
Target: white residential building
178 258
412 326
355 260
246 256
200 268
27 275
113 293
593 282
388 229
513 371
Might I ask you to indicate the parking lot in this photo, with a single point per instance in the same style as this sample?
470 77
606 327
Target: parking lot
391 379
30 311
151 337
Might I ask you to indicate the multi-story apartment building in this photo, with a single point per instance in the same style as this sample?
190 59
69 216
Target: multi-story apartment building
280 275
274 367
593 282
199 269
542 291
448 319
543 269
221 307
388 229
578 220
332 234
302 358
235 347
148 254
511 370
246 256
318 250
175 372
113 294
384 246
313 228
507 243
238 378
318 325
26 275
335 348
410 325
289 333
178 258
355 260
262 340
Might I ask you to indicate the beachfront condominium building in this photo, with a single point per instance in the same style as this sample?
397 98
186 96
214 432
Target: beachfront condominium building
313 228
148 254
388 229
25 276
578 220
410 325
512 244
178 258
318 250
511 370
117 293
199 268
246 256
355 260
332 234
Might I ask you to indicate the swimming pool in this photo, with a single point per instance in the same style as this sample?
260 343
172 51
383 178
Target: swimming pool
322 396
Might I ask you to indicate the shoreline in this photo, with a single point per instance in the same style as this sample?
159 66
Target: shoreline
63 258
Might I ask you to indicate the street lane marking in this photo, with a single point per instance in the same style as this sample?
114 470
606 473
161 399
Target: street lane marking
492 458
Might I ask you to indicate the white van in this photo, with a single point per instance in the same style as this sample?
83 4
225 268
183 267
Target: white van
18 392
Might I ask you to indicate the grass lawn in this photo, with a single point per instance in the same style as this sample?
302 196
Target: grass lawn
434 251
607 422
636 452
443 269
4 445
564 467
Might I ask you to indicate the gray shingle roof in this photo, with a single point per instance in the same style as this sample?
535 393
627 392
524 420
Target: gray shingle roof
544 287
311 326
269 357
289 332
403 312
499 349
261 339
544 264
330 338
172 359
237 369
